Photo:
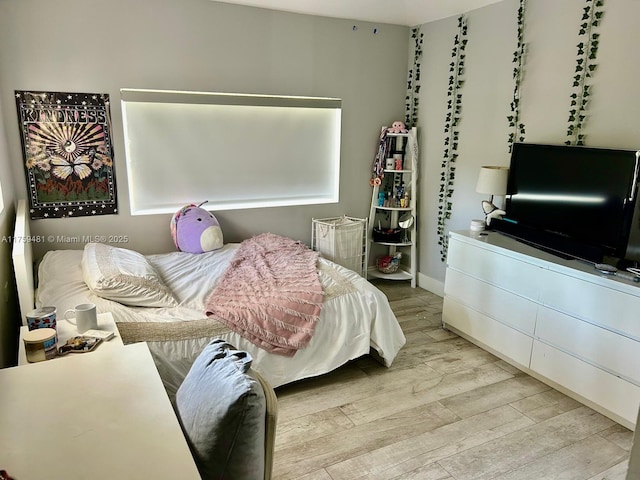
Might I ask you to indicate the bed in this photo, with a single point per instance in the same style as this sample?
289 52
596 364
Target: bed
355 319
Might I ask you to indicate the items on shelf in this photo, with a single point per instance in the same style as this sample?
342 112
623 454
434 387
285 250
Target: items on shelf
389 263
387 235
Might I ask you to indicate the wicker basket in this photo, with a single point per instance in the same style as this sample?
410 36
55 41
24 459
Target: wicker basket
388 264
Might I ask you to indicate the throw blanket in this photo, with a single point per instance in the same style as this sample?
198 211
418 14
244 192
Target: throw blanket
270 294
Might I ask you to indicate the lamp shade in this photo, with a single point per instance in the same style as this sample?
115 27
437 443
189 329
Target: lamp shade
492 180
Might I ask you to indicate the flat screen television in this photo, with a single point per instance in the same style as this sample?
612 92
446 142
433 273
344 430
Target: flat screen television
574 201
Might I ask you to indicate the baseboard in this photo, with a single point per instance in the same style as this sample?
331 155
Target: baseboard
431 284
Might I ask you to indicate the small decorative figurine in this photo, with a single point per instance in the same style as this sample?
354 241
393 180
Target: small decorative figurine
398 127
491 211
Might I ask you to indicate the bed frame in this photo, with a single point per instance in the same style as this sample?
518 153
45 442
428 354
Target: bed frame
22 257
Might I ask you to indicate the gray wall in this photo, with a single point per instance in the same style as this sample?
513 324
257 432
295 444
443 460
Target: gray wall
551 33
97 46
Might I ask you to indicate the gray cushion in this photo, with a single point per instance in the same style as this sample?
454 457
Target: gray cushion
221 407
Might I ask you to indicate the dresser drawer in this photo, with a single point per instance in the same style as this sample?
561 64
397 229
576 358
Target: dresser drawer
501 338
603 390
508 273
603 348
497 303
613 309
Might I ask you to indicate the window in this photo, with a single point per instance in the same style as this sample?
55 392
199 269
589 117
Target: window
232 150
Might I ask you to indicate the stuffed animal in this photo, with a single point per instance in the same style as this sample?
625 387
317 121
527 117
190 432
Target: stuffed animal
398 127
491 211
195 230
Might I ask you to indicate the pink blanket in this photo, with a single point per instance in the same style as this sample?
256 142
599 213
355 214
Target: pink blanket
270 294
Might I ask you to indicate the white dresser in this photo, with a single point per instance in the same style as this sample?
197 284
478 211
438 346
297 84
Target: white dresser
559 320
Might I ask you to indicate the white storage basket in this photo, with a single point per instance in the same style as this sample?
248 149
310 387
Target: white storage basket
342 240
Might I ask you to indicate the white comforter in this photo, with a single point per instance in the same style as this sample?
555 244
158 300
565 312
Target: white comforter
356 318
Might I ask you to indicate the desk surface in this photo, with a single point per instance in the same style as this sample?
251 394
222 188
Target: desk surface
91 416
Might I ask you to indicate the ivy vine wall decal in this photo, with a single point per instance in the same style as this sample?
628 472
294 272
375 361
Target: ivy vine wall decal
585 67
452 121
518 130
413 80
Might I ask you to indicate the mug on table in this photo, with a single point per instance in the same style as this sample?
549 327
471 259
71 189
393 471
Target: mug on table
85 315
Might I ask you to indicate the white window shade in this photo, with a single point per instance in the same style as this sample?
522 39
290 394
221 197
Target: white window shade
235 151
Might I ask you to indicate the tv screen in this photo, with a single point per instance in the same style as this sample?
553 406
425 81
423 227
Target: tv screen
576 196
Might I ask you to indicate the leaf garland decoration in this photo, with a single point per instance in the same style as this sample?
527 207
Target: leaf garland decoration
585 68
515 123
452 121
413 79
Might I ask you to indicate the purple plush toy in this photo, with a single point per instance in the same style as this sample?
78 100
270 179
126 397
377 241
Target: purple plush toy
195 230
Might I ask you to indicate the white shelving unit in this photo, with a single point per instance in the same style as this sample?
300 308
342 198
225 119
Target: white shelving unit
388 215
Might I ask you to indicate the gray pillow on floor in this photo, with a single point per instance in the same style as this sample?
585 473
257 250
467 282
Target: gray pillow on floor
222 411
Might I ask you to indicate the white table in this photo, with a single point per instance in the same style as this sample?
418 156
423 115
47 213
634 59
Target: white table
67 330
98 416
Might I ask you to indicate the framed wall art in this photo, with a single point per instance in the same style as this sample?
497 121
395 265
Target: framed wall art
68 153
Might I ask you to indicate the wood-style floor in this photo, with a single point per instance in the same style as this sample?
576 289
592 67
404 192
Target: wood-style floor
446 409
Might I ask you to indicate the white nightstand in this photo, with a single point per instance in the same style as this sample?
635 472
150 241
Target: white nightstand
66 331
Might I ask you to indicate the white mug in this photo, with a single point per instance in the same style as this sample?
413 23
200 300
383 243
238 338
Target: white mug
86 317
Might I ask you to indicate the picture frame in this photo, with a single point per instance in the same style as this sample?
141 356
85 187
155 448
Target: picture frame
67 153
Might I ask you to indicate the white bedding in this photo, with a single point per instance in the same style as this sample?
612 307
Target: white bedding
355 318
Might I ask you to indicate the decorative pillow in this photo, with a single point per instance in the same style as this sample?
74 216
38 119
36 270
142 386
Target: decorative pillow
222 410
124 276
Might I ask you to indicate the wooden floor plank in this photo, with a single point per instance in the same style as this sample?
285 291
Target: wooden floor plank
393 399
428 447
426 472
524 446
352 391
445 410
317 475
546 405
617 472
294 461
577 461
309 427
485 398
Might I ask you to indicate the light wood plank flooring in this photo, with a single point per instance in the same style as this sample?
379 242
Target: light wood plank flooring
445 410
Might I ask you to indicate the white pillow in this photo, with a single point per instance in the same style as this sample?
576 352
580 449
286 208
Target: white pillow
124 276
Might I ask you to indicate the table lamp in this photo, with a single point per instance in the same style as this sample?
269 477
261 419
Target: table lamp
492 181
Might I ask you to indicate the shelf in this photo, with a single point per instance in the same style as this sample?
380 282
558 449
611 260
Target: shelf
400 209
394 244
397 134
393 170
398 275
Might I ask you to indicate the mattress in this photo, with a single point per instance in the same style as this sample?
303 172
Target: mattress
356 316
